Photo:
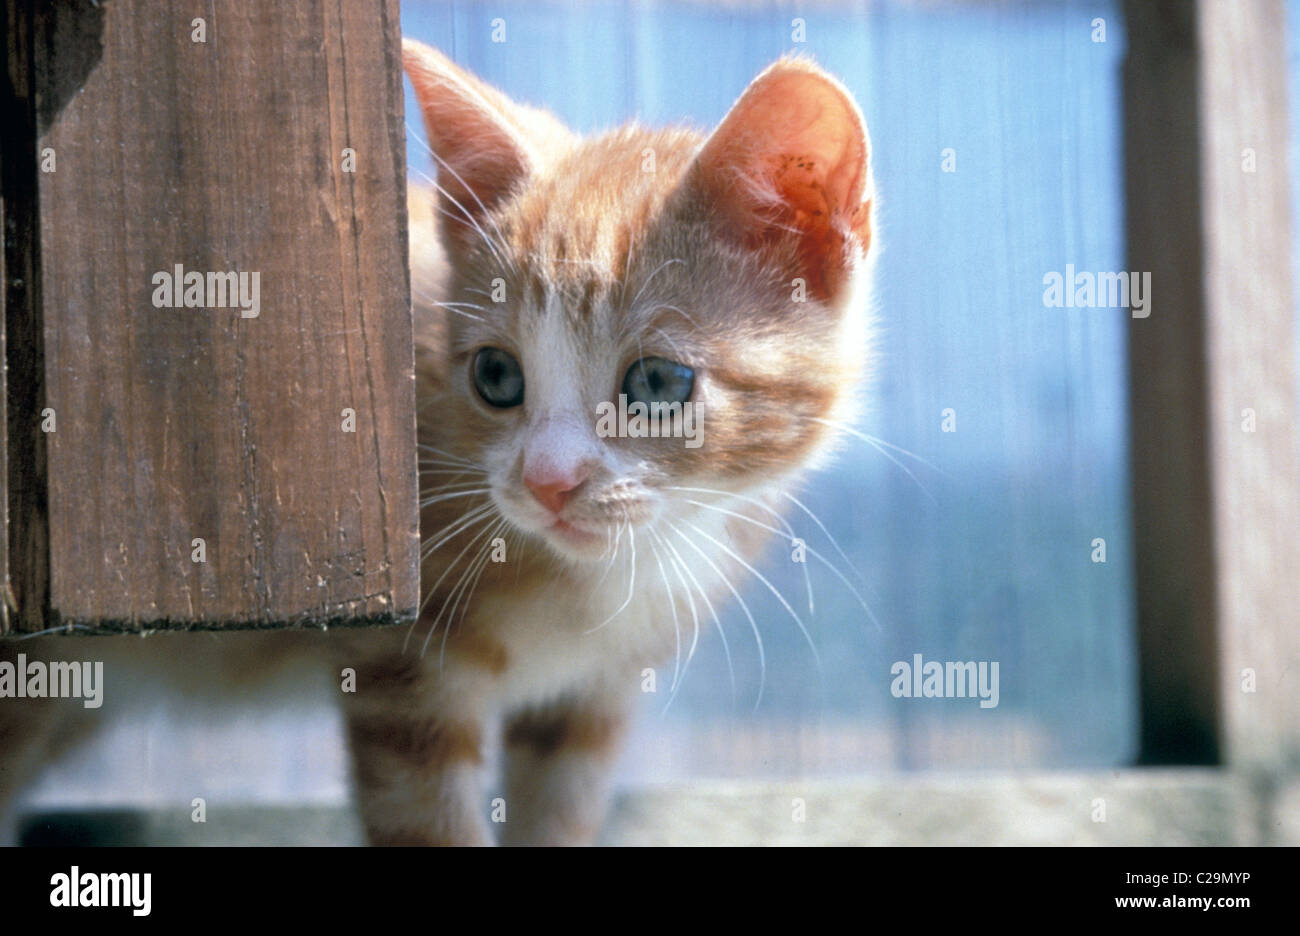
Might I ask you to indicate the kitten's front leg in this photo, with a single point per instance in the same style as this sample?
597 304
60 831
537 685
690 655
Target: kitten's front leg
418 756
559 761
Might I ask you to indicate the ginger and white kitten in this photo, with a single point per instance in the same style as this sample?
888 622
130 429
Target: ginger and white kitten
552 273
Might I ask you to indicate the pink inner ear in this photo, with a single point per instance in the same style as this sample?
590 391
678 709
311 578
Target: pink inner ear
791 159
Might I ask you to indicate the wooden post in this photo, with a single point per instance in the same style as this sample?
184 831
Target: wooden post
1216 486
224 463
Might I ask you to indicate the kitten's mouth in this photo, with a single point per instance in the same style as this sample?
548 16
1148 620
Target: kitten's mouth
574 535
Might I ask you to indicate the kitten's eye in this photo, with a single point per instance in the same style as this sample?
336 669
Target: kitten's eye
498 378
658 380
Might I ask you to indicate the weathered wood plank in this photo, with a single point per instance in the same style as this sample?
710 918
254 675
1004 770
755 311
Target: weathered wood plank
26 552
229 422
1216 485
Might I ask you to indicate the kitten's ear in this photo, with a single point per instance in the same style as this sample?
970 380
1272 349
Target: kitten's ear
791 160
484 143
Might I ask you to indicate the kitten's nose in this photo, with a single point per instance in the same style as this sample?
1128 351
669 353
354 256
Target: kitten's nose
553 487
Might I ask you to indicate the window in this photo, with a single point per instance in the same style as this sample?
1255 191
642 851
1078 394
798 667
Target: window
979 547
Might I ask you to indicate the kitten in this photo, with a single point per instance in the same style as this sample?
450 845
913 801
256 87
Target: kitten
553 274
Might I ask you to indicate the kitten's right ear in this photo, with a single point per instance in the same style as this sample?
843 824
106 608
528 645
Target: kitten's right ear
791 162
484 143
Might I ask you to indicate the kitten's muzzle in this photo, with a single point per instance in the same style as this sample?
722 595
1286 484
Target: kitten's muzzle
553 488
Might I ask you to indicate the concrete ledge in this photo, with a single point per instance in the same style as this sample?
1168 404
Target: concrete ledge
1177 807
1156 807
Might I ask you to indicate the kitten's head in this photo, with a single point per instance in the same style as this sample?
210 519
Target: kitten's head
721 272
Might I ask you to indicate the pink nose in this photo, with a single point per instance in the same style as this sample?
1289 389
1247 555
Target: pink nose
552 490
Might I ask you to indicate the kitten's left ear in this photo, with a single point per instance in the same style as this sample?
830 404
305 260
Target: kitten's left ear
791 160
486 143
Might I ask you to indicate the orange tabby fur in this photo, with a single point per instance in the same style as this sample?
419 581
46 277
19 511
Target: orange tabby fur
634 242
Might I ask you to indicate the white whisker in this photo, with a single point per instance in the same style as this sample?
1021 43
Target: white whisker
876 444
427 502
770 587
480 514
475 572
423 447
810 550
821 526
679 565
432 591
631 584
807 578
672 606
468 220
758 638
456 175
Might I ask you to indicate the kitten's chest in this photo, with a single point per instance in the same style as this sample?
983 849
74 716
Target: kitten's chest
560 640
565 634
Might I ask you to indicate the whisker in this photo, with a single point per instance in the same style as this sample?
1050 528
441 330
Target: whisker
469 220
497 531
432 591
897 448
631 584
482 207
448 485
821 526
456 311
477 513
811 551
875 443
613 553
672 606
474 572
679 564
807 578
480 514
424 447
445 497
454 471
758 638
448 463
60 629
482 292
770 587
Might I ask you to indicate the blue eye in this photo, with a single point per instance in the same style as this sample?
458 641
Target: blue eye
498 378
658 380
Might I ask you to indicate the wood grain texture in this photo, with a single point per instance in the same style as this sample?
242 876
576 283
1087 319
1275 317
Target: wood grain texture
11 114
26 550
1216 507
182 423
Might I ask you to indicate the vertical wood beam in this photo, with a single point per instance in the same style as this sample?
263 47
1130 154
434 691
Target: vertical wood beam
285 440
1216 504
